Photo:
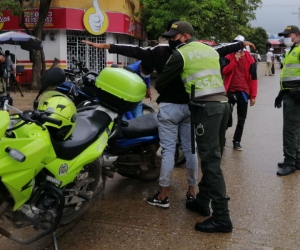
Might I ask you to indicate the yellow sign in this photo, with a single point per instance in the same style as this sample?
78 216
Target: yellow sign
95 20
3 20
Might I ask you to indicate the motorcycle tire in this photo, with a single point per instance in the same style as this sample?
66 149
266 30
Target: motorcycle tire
94 171
137 170
147 109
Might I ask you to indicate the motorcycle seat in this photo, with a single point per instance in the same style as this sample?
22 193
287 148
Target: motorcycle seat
89 125
145 125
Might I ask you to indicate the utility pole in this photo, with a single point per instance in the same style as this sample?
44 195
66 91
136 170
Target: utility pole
298 17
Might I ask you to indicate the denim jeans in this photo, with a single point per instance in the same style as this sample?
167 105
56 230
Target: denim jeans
138 111
174 118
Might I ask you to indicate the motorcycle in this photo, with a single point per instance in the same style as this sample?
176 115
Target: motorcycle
75 74
85 94
49 161
132 151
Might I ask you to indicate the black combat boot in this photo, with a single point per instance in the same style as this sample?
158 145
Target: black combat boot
286 169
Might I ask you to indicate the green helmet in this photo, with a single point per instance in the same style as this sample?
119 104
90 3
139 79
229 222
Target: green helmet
61 108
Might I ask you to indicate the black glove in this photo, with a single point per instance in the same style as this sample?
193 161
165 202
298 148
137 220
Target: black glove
278 100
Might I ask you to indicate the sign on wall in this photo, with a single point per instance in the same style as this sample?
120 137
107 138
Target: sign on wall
77 19
95 20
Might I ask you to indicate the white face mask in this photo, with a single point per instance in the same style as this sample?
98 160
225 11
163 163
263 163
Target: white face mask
288 42
144 76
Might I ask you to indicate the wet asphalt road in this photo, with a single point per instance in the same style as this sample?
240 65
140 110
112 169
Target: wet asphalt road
265 208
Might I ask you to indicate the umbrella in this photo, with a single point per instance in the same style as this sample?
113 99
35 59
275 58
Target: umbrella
27 42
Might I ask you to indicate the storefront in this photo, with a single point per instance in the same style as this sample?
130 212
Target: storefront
70 22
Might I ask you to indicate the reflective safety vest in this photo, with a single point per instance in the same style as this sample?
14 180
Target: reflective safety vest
201 68
290 74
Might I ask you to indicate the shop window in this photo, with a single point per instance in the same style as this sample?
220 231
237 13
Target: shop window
95 59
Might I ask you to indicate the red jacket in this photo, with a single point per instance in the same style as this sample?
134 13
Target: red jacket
251 75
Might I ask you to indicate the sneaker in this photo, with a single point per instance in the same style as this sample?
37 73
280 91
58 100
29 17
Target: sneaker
237 146
189 198
154 201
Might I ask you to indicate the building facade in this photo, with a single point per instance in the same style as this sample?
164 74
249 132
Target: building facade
70 21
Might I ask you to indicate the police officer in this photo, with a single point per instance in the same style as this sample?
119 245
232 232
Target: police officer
198 64
290 94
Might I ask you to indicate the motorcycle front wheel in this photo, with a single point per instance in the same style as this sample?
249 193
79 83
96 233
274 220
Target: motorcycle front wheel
87 183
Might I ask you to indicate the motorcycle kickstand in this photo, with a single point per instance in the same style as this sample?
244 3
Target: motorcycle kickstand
54 240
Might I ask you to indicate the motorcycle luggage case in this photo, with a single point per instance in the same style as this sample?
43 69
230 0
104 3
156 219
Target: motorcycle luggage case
120 89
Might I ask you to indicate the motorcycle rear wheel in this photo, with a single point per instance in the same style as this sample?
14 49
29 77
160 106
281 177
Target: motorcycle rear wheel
91 170
147 109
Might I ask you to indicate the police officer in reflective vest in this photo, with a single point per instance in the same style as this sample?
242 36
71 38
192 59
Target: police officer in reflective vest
199 65
290 94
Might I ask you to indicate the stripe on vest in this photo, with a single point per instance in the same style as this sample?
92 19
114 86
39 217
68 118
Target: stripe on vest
201 74
292 65
205 92
292 78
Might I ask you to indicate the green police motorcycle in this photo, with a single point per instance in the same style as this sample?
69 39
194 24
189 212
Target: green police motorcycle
50 167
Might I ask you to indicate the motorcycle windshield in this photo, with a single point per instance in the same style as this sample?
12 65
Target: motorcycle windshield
49 94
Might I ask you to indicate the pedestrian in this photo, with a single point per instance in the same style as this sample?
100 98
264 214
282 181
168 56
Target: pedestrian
2 70
198 65
10 67
269 62
257 57
173 96
290 94
240 81
144 69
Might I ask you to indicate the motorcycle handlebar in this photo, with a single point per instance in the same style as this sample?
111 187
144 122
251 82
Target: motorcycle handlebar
46 118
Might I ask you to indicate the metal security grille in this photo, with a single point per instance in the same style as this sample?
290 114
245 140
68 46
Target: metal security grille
95 59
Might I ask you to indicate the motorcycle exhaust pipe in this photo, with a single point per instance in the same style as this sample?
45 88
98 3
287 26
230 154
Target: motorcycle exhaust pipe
108 161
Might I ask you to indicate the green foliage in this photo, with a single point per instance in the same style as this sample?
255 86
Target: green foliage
13 5
220 20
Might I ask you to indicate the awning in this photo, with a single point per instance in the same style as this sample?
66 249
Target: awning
274 41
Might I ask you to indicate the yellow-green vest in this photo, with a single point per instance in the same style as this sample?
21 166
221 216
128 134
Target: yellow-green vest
290 74
202 69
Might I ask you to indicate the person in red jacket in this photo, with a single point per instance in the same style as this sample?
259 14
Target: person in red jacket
240 81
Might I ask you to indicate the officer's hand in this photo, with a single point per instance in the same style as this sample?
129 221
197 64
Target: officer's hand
278 101
148 94
247 43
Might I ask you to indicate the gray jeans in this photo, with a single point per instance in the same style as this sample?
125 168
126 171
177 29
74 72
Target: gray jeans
174 118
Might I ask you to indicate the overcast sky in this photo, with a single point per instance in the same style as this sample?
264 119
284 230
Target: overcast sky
274 15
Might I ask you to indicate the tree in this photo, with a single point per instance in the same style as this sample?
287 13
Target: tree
260 38
18 8
220 20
